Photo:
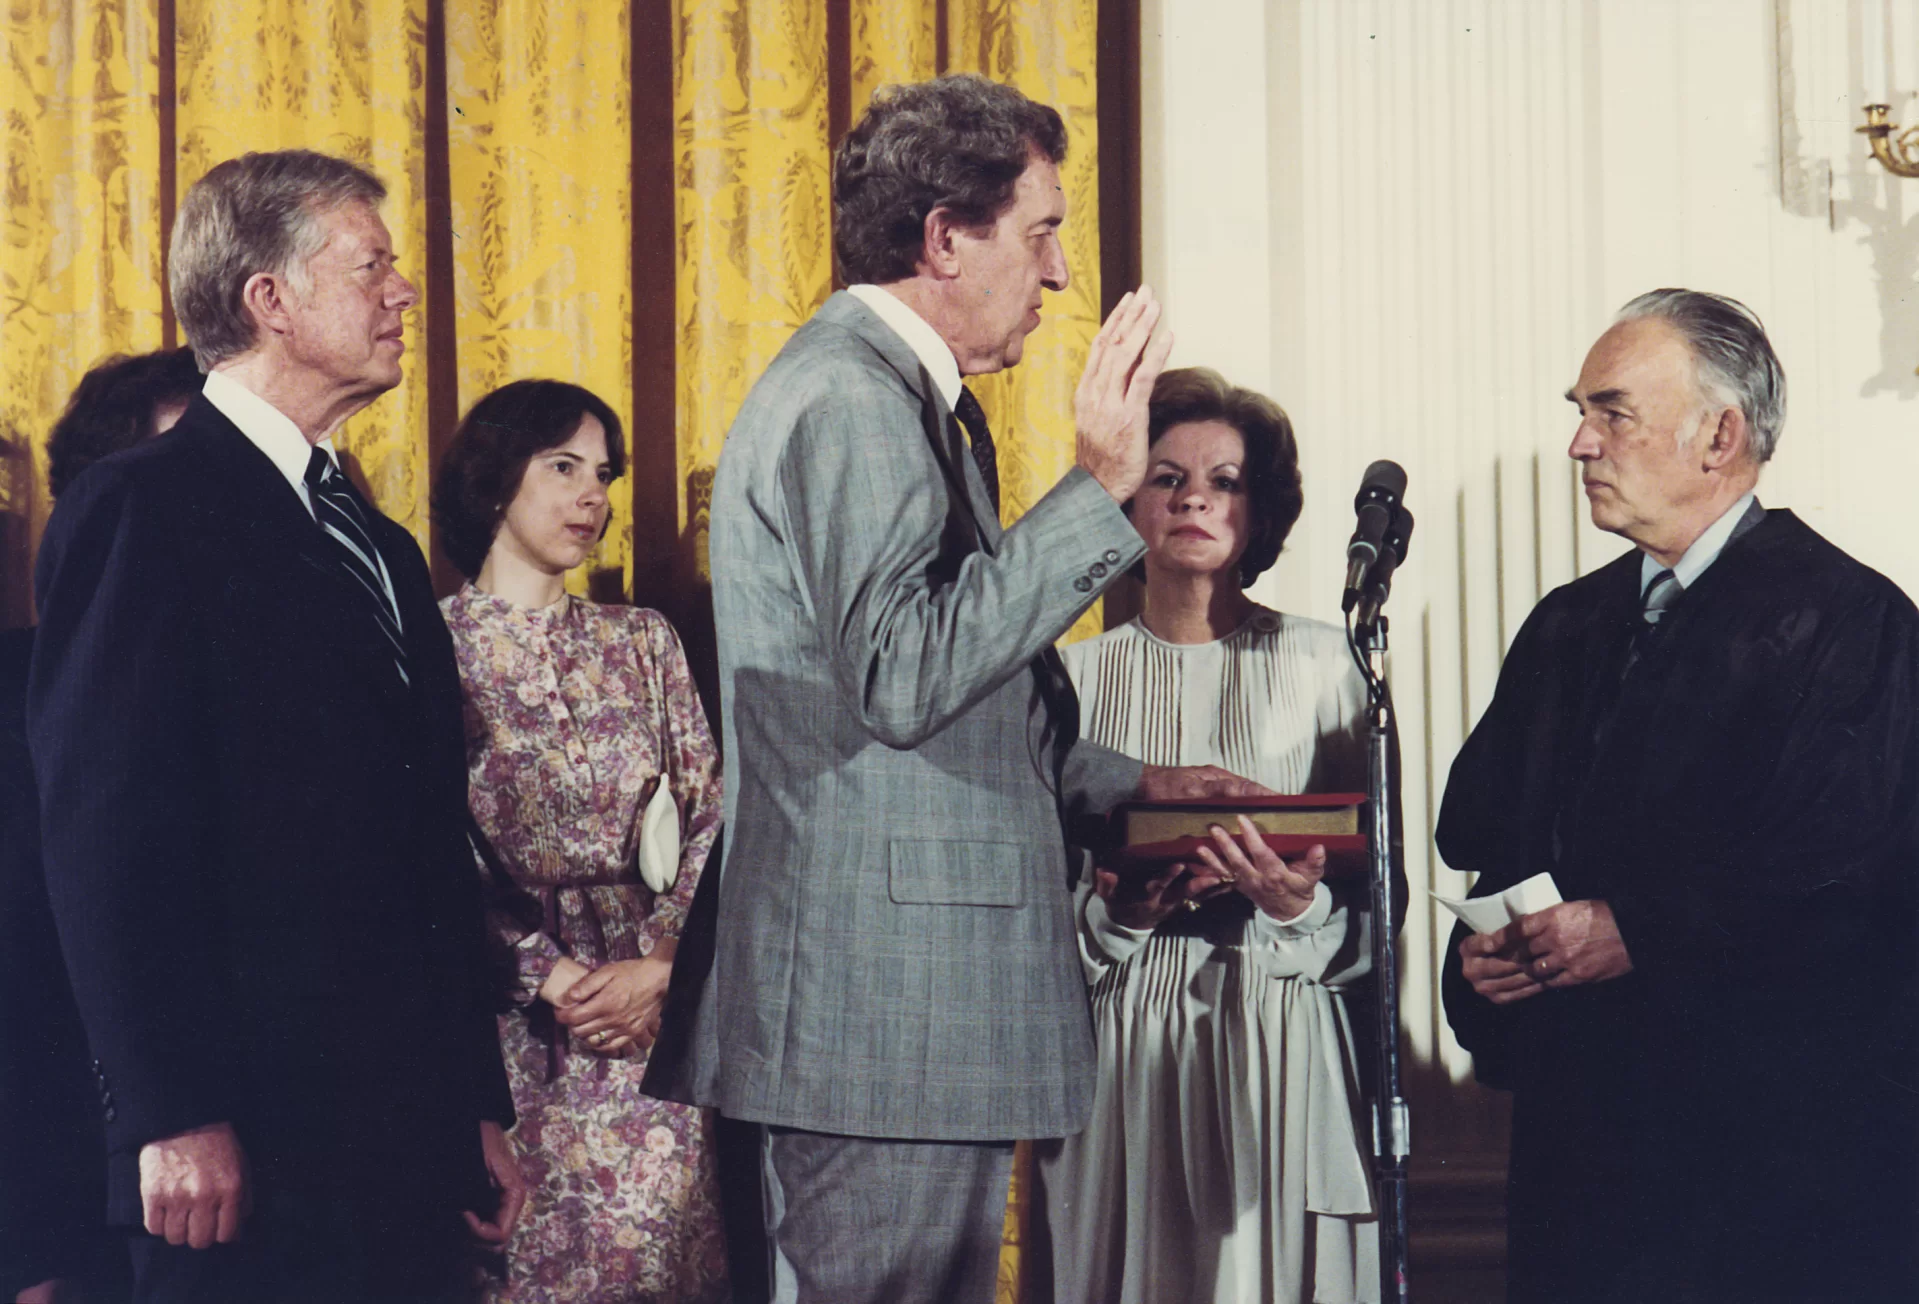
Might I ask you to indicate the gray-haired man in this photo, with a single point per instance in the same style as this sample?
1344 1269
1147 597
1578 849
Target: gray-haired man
245 720
899 994
1712 746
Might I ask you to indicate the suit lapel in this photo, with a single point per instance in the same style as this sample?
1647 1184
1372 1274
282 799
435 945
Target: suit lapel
943 430
269 523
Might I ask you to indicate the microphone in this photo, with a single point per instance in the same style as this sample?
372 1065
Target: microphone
1379 581
1380 490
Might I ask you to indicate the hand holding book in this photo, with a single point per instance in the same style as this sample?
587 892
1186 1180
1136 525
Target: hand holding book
1284 890
1143 902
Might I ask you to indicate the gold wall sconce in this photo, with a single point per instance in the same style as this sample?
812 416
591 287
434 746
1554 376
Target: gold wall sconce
1898 154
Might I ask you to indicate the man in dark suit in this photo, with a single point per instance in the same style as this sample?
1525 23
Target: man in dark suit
53 1239
245 720
1713 746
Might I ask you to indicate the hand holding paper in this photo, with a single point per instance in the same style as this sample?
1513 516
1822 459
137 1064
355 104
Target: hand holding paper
1527 939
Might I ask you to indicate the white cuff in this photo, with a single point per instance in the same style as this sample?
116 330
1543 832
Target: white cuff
1304 923
1116 940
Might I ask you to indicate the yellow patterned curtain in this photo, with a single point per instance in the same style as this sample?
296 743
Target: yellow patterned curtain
891 41
754 211
538 97
80 245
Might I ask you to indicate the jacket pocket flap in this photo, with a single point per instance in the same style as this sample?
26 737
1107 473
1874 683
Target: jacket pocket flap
950 872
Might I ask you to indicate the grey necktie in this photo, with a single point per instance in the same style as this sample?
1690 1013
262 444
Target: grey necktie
1653 605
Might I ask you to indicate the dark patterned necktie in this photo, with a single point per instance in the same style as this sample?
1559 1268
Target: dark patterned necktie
973 417
341 514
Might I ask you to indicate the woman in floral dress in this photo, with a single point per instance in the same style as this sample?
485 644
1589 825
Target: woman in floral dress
576 714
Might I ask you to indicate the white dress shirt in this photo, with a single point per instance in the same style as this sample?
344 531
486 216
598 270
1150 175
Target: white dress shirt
925 342
1704 552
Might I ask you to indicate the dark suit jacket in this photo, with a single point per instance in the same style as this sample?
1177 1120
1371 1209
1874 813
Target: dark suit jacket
254 836
52 1163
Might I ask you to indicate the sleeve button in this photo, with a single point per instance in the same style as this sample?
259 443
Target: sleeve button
1097 570
1083 584
1112 556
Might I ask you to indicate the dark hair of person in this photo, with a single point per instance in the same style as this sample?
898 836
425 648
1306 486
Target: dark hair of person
113 408
1270 473
482 468
957 142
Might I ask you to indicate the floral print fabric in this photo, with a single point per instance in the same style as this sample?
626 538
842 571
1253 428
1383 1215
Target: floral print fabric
575 713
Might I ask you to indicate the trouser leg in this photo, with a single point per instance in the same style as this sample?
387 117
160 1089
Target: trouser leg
852 1220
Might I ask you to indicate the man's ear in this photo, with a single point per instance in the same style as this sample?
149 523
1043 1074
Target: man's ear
265 298
939 249
1727 440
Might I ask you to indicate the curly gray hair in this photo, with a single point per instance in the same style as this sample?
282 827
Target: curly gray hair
957 142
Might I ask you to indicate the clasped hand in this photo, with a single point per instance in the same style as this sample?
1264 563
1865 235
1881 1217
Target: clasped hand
1567 945
616 1007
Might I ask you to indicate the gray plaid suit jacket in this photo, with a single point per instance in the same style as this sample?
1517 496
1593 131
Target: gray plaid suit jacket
895 950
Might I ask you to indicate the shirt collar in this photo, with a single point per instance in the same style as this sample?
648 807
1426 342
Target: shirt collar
267 428
918 336
1704 552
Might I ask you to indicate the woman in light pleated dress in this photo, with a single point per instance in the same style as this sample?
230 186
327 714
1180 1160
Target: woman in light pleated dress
1224 1162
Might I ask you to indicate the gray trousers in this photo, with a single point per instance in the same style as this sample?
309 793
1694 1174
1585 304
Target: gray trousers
851 1220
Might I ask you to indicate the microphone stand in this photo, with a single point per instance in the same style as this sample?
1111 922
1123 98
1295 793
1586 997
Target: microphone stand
1392 1140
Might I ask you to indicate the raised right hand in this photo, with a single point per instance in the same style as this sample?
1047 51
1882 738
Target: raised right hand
194 1186
1109 407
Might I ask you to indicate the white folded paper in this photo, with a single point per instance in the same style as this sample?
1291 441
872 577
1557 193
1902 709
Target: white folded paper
1490 914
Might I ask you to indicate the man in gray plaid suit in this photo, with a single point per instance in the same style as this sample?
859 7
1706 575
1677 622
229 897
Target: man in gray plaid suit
897 989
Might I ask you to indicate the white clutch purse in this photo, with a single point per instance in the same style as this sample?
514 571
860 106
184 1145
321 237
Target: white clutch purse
660 841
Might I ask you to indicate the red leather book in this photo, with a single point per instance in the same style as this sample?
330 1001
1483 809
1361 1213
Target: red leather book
1153 832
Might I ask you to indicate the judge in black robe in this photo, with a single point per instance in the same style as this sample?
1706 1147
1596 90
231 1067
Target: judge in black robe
1734 1118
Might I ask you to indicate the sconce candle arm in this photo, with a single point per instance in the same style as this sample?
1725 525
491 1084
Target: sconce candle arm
1898 154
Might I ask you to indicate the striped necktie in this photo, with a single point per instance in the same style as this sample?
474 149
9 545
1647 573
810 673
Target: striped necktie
973 417
338 509
1659 596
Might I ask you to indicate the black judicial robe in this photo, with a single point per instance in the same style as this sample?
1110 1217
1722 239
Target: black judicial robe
1734 1119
